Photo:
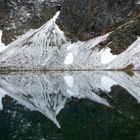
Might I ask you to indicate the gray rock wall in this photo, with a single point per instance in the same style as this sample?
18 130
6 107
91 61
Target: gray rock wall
19 16
84 19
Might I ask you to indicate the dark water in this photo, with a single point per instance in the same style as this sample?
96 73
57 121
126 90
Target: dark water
70 106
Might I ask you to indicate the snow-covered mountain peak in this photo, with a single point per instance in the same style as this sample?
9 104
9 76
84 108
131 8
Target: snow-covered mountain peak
37 49
47 48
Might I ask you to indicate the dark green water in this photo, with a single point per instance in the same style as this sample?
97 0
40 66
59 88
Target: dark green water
70 106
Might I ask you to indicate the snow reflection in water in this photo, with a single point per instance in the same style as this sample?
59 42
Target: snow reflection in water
49 92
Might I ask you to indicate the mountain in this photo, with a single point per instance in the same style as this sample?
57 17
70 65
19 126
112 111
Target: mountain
47 48
39 49
59 45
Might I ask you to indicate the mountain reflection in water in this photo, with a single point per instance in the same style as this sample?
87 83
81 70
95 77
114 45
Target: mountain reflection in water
99 105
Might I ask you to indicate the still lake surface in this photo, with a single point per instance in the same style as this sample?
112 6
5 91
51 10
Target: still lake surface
69 106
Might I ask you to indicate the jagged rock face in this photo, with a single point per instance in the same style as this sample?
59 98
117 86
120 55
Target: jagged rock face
84 19
121 38
19 16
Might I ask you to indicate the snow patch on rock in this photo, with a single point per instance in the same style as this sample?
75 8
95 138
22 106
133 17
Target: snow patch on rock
2 46
86 54
107 56
131 56
44 48
69 59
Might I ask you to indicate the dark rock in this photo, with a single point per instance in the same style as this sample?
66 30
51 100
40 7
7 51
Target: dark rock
19 16
120 39
84 19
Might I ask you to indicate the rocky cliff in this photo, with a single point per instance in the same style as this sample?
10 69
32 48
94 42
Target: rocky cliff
19 16
80 19
84 19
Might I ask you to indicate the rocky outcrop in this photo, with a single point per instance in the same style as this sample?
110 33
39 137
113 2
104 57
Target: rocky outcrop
79 19
84 19
127 60
19 16
121 38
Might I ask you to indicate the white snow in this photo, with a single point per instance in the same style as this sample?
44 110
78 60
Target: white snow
70 46
2 46
69 80
95 41
128 57
48 48
69 59
70 93
107 56
86 54
107 83
43 48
